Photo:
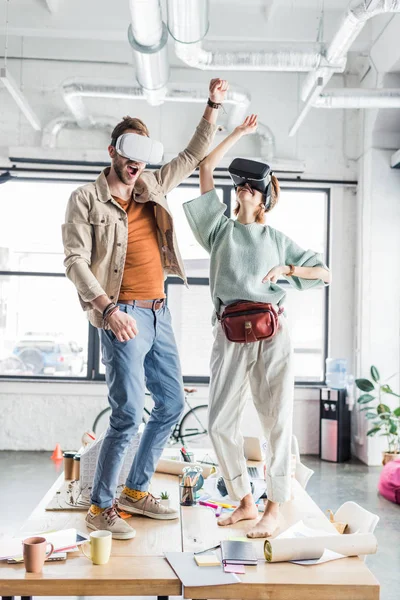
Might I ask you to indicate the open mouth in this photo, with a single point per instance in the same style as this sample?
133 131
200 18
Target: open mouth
132 170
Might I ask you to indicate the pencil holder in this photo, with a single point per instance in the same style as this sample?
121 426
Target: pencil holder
187 495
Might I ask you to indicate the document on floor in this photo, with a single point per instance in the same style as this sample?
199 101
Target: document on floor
191 575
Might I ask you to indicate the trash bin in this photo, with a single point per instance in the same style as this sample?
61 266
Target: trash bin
334 431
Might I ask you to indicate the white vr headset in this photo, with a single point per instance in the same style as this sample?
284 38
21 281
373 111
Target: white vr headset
140 148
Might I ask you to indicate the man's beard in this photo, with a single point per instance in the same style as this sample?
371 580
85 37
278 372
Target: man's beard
119 170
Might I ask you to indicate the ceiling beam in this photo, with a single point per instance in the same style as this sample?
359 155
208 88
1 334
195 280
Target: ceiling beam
19 98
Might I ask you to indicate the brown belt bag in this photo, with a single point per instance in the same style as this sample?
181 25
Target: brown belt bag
244 322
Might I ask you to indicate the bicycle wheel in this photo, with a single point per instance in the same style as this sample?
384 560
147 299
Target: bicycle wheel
101 421
103 418
193 426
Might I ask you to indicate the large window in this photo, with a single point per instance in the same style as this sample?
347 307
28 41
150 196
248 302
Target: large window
43 331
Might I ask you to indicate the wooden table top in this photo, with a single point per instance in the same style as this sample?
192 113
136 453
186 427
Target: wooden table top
341 579
138 568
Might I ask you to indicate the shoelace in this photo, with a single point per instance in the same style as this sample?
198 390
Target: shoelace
111 515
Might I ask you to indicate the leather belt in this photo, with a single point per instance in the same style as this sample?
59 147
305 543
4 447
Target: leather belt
152 304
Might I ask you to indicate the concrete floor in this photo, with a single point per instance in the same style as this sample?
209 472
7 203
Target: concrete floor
26 476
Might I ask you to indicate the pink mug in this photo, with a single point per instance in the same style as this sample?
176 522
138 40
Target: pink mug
34 552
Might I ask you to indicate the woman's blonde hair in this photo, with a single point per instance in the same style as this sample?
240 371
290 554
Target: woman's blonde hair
275 192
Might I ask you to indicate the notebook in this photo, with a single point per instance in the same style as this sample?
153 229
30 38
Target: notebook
238 553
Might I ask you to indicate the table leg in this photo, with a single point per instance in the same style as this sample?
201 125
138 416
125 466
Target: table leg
26 597
162 597
7 598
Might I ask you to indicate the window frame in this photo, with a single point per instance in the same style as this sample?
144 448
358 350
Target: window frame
222 180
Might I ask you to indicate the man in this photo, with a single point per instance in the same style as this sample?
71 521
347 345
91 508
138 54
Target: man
120 243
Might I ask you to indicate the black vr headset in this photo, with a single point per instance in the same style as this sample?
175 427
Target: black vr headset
256 174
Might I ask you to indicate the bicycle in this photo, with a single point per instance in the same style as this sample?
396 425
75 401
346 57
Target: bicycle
193 423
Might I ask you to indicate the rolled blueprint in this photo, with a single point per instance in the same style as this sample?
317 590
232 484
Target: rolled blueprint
306 548
175 467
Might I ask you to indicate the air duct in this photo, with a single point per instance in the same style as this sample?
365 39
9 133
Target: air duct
188 24
55 126
352 24
74 91
148 37
359 98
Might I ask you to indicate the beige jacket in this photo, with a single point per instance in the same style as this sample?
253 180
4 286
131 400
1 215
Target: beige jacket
95 233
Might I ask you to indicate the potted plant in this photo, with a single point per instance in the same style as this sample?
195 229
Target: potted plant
164 500
384 420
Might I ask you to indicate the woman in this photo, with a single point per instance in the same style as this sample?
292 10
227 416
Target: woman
247 259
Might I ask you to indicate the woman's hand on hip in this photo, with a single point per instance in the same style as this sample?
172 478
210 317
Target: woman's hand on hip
274 274
123 326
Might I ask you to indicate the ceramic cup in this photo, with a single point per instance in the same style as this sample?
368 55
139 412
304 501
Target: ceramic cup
34 552
100 547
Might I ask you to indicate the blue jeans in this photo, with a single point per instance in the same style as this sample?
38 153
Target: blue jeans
150 360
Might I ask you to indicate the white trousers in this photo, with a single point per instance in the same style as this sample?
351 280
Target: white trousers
265 369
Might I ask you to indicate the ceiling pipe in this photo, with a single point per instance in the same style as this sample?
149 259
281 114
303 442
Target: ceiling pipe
359 98
74 91
55 126
148 36
352 24
188 23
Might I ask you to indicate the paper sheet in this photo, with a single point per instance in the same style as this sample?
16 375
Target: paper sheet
326 557
303 543
11 547
191 575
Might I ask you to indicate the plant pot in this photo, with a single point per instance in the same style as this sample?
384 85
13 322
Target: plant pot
388 456
165 503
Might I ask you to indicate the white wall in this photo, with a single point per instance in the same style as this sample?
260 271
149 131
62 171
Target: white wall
378 322
36 415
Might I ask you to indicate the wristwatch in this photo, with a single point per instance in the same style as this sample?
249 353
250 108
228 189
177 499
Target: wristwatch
292 267
213 104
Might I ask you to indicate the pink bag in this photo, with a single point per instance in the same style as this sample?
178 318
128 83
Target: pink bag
389 481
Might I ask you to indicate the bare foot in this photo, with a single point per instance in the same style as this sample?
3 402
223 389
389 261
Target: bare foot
268 523
246 510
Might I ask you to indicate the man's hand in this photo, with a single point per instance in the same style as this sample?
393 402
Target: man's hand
123 326
274 274
248 126
217 90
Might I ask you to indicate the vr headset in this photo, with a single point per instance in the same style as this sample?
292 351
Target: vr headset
256 174
139 147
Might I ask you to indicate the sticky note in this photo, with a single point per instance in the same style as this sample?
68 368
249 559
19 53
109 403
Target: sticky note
207 560
235 569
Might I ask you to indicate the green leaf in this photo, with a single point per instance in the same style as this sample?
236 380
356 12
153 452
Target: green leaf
393 428
370 415
366 408
365 385
373 431
397 411
364 398
375 374
383 408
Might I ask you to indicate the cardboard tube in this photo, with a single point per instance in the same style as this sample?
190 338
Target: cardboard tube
175 467
305 548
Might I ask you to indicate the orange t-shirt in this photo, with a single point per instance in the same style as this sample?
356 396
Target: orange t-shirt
143 277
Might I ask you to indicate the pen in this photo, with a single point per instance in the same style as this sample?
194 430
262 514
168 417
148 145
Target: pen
210 504
223 505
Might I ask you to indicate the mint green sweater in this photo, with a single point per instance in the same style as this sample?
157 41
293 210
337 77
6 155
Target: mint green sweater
241 255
